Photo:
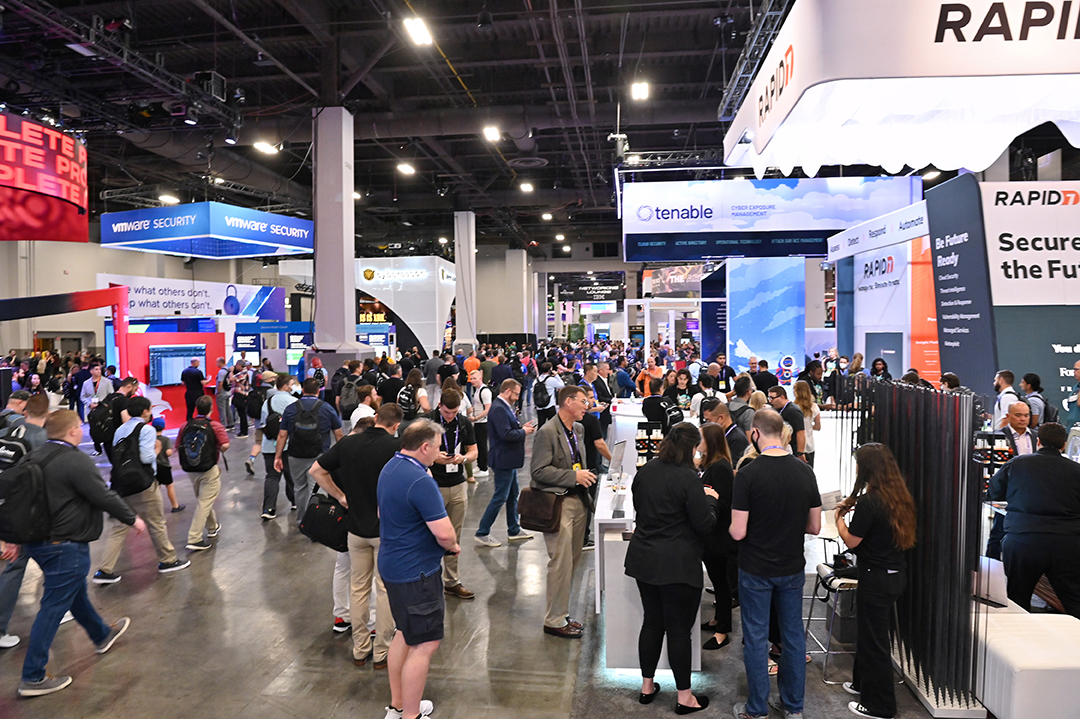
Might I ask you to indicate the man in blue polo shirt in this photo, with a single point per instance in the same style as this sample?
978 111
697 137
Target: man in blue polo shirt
415 535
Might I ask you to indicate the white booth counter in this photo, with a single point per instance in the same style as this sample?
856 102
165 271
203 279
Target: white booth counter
625 415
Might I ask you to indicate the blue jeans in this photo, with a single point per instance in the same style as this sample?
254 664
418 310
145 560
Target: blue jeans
506 492
65 566
756 595
10 582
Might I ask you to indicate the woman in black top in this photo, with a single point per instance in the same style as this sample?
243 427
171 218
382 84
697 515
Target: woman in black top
879 368
664 556
683 390
881 530
719 547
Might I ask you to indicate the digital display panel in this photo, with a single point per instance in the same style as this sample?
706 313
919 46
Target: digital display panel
168 361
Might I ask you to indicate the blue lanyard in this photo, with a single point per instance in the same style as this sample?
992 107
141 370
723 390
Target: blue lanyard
575 455
407 458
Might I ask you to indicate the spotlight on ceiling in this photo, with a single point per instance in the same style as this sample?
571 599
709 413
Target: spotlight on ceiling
406 169
443 240
356 195
483 20
168 199
219 180
560 237
566 248
417 31
633 159
931 175
639 91
230 138
267 148
191 117
492 134
526 187
546 216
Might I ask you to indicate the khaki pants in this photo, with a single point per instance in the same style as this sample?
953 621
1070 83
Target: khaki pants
364 556
564 551
148 505
207 487
456 499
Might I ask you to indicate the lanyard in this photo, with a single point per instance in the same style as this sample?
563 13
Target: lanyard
451 447
407 458
575 455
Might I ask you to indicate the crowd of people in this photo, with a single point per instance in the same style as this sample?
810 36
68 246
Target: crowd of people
397 442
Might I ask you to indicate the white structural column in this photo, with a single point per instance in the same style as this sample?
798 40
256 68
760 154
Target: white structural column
335 273
558 312
518 294
465 272
540 304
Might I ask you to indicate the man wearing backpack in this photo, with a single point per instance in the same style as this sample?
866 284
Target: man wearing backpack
307 426
544 393
16 443
277 399
12 415
348 394
107 416
77 496
741 411
135 450
483 396
222 394
200 443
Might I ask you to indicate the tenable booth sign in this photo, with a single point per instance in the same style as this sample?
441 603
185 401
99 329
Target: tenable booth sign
208 230
918 82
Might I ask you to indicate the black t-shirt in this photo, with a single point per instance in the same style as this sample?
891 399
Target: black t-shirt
459 435
871 522
363 456
779 493
446 371
674 394
792 415
192 377
764 380
653 410
591 423
118 401
725 382
388 390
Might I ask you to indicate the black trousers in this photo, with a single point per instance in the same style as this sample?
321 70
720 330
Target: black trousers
239 403
873 672
190 399
1029 556
272 483
997 534
543 415
716 564
480 429
671 610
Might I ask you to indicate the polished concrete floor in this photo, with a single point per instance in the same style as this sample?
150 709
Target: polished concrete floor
246 632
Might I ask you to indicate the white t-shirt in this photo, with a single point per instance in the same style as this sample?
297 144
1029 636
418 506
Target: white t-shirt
484 396
361 411
809 425
697 399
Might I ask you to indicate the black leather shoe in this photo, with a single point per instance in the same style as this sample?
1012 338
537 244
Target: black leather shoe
566 632
702 700
648 698
713 644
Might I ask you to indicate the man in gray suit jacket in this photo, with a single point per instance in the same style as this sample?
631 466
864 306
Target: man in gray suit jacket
558 466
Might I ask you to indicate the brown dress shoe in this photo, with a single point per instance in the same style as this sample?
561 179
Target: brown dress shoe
362 662
459 591
574 623
566 632
379 665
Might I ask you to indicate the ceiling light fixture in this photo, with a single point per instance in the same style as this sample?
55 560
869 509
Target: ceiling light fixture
492 134
406 169
483 20
356 195
633 159
219 180
443 240
589 272
566 248
560 237
266 147
526 187
639 91
231 139
191 117
546 216
931 175
169 199
418 31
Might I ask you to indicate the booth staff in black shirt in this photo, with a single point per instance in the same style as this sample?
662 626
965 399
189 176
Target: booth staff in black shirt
1042 528
459 447
194 386
595 447
881 530
356 462
793 417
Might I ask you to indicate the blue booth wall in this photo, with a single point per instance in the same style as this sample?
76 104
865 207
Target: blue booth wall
766 312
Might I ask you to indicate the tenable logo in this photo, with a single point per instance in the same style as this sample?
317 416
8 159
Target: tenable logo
645 213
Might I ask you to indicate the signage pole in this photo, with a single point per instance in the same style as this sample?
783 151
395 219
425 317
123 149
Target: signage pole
120 329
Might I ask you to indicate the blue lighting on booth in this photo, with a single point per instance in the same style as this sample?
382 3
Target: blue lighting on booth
207 230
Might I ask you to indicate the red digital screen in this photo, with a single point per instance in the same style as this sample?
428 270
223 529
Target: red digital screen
39 158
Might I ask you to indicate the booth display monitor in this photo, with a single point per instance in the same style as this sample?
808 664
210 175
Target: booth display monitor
168 361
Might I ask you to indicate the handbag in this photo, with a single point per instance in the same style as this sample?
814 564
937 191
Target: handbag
324 522
540 511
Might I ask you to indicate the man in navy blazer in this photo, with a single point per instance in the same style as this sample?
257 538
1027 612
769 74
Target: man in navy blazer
506 455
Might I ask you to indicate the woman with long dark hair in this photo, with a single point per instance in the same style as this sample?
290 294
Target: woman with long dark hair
416 380
719 547
882 529
674 513
879 369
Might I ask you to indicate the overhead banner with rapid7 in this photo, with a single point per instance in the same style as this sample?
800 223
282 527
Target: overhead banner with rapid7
691 220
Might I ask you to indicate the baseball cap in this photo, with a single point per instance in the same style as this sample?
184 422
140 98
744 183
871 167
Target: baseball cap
159 423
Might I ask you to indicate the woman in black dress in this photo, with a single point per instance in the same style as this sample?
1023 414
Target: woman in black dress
882 529
674 512
719 547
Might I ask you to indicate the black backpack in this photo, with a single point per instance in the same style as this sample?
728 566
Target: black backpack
338 380
6 416
406 399
272 425
319 376
738 413
672 414
13 447
129 474
305 440
255 399
349 396
517 373
226 385
100 420
198 446
541 393
24 503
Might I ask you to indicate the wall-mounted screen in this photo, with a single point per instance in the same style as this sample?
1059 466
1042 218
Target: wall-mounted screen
168 361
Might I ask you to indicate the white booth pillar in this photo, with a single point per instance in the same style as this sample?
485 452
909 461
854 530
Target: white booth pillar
540 293
465 269
518 295
335 273
558 331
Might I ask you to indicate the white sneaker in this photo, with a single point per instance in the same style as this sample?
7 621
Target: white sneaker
521 536
487 541
859 710
426 708
68 617
7 641
850 689
480 473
